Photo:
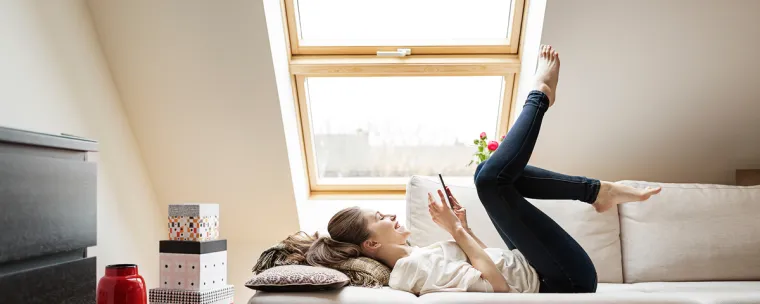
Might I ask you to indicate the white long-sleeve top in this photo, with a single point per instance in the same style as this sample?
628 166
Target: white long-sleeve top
444 266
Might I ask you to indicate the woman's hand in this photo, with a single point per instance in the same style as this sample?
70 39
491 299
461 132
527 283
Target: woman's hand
442 214
453 223
461 214
459 211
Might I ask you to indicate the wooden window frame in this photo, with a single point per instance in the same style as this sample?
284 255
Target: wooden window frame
507 45
425 61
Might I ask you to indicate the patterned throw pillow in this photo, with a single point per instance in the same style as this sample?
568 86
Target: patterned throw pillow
297 278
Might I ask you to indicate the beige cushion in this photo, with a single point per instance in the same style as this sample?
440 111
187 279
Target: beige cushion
615 287
701 292
733 292
348 294
297 278
726 287
597 233
692 232
527 298
722 297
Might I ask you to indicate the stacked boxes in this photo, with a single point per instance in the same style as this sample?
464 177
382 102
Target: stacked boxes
193 262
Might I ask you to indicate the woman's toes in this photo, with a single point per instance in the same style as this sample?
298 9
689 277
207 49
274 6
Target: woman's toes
648 192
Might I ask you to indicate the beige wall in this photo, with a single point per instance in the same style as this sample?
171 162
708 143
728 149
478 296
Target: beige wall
53 78
198 85
654 90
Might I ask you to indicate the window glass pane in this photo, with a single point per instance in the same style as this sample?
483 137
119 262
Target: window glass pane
403 22
369 129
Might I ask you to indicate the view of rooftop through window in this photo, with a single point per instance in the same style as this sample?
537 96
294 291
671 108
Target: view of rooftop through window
399 126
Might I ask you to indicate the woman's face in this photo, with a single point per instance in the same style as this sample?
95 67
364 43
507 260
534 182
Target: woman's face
385 229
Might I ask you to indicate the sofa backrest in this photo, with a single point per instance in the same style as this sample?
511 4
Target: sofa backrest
692 232
598 234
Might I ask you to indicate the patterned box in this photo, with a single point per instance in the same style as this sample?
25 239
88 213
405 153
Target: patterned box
221 295
193 266
194 222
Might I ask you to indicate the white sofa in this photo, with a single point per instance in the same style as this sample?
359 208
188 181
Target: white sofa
693 243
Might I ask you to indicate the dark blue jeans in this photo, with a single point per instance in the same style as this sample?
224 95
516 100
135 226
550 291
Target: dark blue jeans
505 180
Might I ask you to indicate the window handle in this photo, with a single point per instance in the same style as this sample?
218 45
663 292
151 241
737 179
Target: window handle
396 53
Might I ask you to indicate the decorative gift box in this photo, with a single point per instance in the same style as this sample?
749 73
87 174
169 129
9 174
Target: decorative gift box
194 222
193 266
222 295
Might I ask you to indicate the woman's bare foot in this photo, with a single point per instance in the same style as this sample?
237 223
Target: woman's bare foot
612 194
547 73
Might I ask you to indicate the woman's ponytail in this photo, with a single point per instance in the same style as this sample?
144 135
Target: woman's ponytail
328 252
348 230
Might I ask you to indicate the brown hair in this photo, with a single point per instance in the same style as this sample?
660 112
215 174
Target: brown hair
347 229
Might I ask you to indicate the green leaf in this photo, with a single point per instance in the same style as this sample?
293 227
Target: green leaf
480 148
477 141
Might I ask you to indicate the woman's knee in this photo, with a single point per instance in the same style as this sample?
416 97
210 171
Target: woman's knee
486 176
477 170
489 176
485 181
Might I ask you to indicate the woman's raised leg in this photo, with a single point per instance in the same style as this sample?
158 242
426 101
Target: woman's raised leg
560 262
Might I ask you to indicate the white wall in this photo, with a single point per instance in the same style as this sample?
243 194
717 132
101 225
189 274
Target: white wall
198 85
654 90
54 79
529 46
313 214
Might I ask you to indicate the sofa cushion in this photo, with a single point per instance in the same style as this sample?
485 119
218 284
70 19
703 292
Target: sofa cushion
597 233
676 292
702 292
348 294
692 232
526 298
717 297
615 287
736 286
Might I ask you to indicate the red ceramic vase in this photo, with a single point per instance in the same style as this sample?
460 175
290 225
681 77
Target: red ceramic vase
122 285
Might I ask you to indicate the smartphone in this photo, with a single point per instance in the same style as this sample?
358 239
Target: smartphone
446 192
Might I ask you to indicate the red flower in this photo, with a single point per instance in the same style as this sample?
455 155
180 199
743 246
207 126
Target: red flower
482 135
492 145
502 137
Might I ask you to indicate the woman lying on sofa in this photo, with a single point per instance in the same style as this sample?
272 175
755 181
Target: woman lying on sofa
541 256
